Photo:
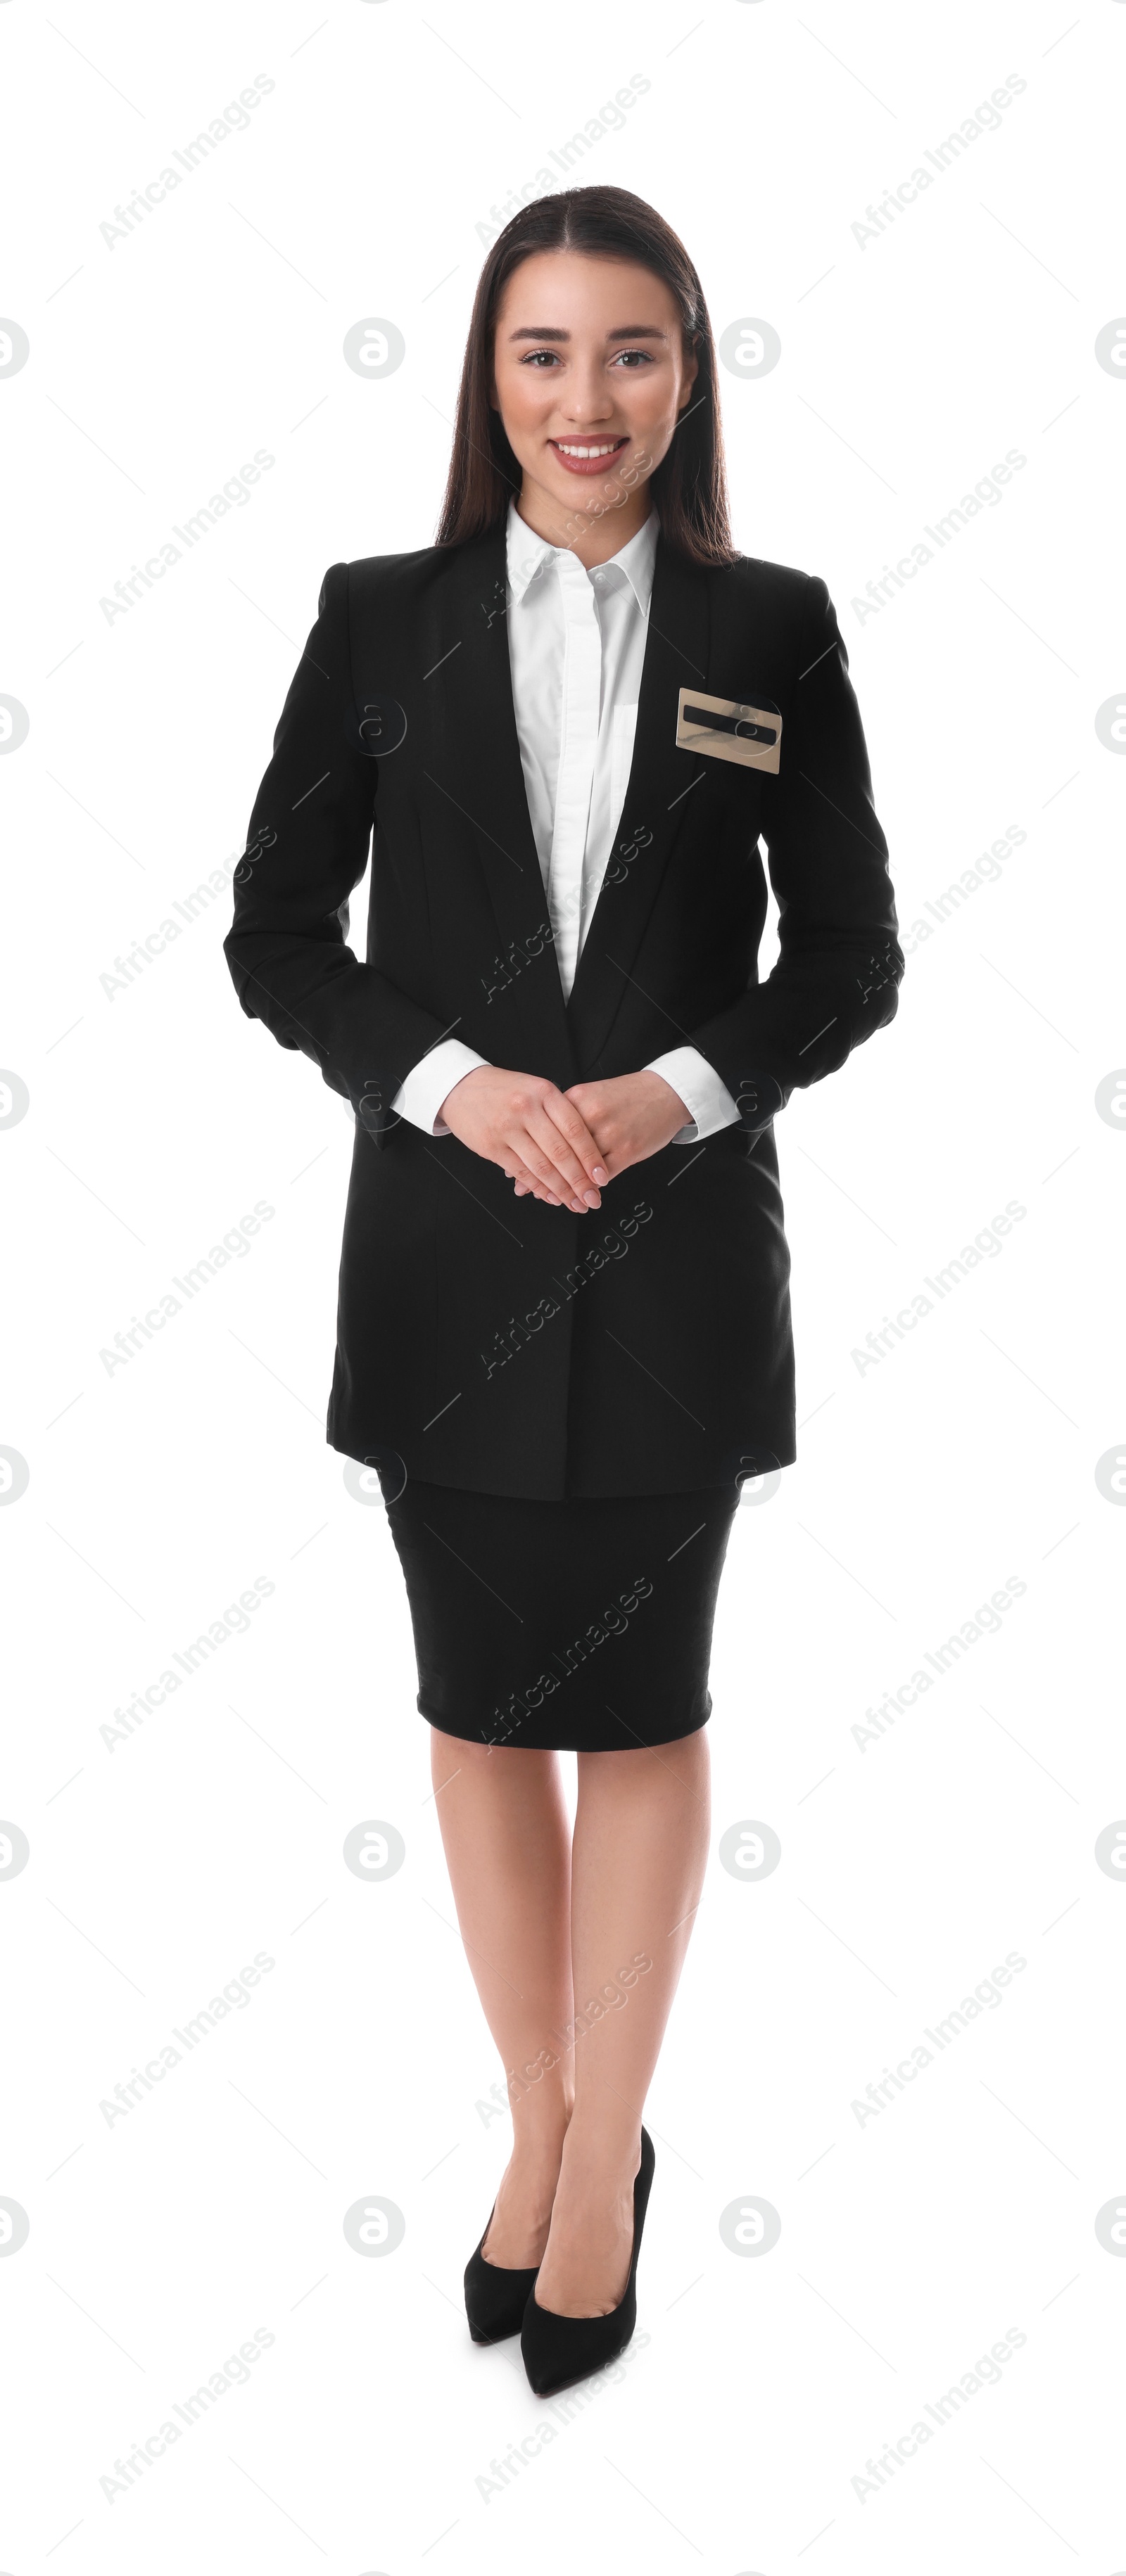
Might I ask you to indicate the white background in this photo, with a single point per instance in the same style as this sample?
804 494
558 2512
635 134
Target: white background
912 1864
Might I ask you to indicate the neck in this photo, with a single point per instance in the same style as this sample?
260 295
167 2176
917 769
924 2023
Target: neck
594 539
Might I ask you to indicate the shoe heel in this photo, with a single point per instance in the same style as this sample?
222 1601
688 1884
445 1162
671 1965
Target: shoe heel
495 2299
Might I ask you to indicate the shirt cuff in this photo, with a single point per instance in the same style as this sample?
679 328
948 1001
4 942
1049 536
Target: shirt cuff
700 1088
429 1082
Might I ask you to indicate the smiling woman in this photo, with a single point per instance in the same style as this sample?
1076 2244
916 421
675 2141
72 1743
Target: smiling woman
635 373
518 327
601 705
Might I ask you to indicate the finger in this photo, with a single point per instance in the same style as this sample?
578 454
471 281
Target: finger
527 1185
565 1115
547 1153
558 1170
560 1198
534 1160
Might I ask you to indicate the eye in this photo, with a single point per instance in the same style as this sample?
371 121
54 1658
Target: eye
645 355
534 354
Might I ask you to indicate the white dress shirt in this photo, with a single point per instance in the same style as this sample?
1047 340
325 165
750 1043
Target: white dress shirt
576 642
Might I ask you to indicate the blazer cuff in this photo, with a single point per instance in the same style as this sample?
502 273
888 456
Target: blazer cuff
429 1082
704 1095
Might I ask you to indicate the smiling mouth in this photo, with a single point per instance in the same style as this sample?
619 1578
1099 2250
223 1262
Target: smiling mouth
585 454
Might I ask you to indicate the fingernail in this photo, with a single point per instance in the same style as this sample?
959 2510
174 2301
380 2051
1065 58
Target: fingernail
592 1198
600 1175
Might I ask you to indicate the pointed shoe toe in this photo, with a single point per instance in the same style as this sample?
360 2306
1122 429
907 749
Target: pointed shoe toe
559 2350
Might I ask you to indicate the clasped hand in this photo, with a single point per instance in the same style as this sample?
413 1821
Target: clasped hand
563 1146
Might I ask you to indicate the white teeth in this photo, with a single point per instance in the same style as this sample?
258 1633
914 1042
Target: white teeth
585 452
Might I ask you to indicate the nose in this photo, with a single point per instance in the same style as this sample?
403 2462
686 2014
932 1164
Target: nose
588 400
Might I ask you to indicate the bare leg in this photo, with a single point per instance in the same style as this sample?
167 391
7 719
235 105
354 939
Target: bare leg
506 1834
640 1850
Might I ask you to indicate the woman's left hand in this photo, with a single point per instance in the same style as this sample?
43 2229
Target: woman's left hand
630 1117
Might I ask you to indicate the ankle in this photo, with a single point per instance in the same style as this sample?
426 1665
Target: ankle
607 2152
539 2129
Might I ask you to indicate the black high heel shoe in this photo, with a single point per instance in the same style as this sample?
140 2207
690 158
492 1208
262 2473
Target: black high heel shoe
495 2300
559 2350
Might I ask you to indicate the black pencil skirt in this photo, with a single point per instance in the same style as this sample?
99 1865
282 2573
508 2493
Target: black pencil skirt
584 1625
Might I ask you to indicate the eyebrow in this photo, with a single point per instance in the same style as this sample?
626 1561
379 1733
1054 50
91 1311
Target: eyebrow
631 331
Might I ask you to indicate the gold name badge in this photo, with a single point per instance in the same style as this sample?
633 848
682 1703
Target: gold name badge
728 730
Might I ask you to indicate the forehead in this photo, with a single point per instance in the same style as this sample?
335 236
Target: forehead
575 290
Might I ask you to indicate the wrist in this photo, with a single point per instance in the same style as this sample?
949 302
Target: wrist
670 1098
456 1091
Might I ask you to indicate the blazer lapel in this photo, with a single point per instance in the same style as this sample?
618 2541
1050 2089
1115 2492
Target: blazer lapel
662 781
477 765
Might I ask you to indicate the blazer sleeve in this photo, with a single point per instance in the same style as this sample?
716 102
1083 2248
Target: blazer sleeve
307 848
839 965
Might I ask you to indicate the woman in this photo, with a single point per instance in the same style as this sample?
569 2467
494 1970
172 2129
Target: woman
564 1326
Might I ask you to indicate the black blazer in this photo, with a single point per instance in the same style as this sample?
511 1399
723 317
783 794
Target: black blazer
488 1341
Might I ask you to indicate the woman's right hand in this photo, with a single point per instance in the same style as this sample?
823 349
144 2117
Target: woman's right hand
532 1130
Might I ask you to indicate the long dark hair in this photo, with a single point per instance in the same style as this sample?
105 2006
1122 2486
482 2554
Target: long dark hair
689 486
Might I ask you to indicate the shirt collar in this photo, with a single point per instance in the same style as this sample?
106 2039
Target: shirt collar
527 554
